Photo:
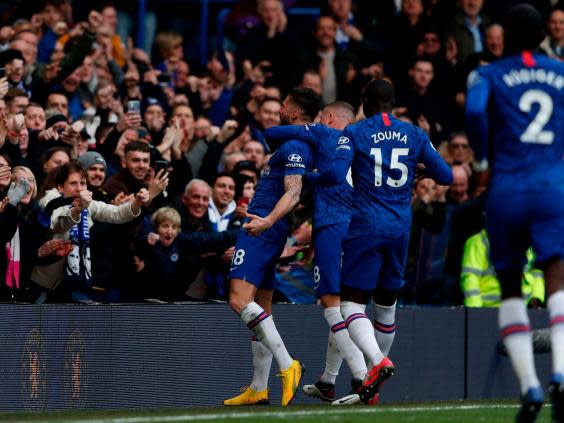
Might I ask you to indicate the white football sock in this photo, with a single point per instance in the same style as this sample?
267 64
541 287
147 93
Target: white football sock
361 331
332 362
349 351
555 305
262 325
385 326
516 334
262 360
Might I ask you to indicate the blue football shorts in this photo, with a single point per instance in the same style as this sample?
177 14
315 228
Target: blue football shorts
517 220
255 259
374 260
328 252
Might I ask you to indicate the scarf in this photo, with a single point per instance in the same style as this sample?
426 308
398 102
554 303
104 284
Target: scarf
77 267
13 256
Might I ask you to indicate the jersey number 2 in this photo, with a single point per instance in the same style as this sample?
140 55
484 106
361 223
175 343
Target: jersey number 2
394 164
535 132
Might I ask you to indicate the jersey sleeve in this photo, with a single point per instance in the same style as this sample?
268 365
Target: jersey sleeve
435 166
296 157
339 167
476 114
290 132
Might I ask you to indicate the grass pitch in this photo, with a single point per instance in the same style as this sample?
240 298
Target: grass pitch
436 412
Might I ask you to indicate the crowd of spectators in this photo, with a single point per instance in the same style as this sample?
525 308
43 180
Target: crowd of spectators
125 174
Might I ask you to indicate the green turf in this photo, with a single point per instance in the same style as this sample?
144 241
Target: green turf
435 412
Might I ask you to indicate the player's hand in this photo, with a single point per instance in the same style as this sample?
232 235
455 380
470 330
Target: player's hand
420 172
256 225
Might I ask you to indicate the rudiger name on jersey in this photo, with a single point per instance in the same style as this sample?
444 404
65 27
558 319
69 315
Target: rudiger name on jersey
528 75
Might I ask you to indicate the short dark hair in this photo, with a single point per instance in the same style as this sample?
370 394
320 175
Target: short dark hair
137 146
14 92
523 28
66 170
307 100
421 58
378 96
222 175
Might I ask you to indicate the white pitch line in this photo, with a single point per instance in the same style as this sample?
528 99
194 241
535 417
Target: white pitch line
277 414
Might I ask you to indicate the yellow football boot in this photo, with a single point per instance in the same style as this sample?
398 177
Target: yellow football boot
249 397
291 378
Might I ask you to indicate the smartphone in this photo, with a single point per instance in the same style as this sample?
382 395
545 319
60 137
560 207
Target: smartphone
2 72
161 164
134 106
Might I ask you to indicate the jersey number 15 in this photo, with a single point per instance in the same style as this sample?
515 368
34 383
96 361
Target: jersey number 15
394 164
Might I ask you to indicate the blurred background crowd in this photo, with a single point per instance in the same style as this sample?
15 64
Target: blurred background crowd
131 140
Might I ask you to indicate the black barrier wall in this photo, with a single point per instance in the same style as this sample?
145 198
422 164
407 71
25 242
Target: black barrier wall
126 356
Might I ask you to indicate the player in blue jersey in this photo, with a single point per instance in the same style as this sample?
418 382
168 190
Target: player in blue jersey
383 153
331 216
259 245
519 101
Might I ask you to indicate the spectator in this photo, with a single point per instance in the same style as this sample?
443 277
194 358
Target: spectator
254 152
54 157
335 66
270 42
34 117
117 268
13 61
221 213
109 19
468 29
479 282
74 223
16 100
95 167
312 79
553 44
59 102
459 151
404 33
169 45
28 244
164 253
421 103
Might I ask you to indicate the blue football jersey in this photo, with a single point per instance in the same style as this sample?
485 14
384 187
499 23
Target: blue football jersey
292 158
332 204
517 99
383 153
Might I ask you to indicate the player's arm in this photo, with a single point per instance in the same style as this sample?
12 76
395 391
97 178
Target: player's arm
435 166
289 132
293 188
477 125
337 171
